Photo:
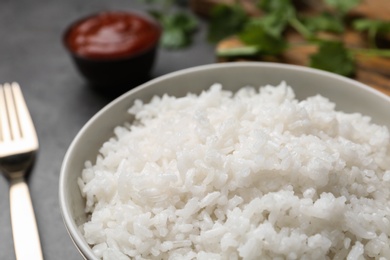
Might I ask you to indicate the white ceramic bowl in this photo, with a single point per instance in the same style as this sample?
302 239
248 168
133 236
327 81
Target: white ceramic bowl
349 96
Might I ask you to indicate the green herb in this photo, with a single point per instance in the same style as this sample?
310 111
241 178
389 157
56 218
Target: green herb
178 29
370 24
270 6
256 34
284 12
323 22
333 57
178 26
226 20
265 34
274 24
372 27
242 51
343 6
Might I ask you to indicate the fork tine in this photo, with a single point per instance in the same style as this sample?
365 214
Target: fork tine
27 128
4 124
12 112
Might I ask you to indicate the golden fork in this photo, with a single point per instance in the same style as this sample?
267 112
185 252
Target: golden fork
18 146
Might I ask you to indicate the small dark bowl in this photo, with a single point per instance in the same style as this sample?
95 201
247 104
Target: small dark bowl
115 74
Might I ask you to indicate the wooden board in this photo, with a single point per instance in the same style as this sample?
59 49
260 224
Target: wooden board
371 70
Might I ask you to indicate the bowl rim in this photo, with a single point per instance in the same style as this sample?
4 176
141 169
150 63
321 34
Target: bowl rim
138 13
71 226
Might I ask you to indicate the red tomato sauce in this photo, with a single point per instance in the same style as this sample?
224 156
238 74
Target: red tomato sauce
111 35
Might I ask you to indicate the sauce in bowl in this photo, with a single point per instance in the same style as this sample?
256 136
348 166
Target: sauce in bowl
112 35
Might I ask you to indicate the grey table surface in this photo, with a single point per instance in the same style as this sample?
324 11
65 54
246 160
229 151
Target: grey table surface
31 53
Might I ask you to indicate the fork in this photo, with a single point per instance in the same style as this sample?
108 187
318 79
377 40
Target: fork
18 147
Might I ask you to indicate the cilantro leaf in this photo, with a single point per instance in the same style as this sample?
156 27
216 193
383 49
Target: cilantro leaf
343 5
324 22
272 24
184 21
279 12
174 38
225 21
284 12
242 51
256 35
371 24
373 28
333 57
271 6
177 29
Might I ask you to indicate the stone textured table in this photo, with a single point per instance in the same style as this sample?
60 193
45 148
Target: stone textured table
60 102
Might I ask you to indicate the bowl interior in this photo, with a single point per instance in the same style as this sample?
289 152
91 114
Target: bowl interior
349 96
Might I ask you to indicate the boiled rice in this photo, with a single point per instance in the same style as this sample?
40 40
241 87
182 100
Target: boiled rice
251 175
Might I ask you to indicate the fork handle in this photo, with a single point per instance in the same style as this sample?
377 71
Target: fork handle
24 226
